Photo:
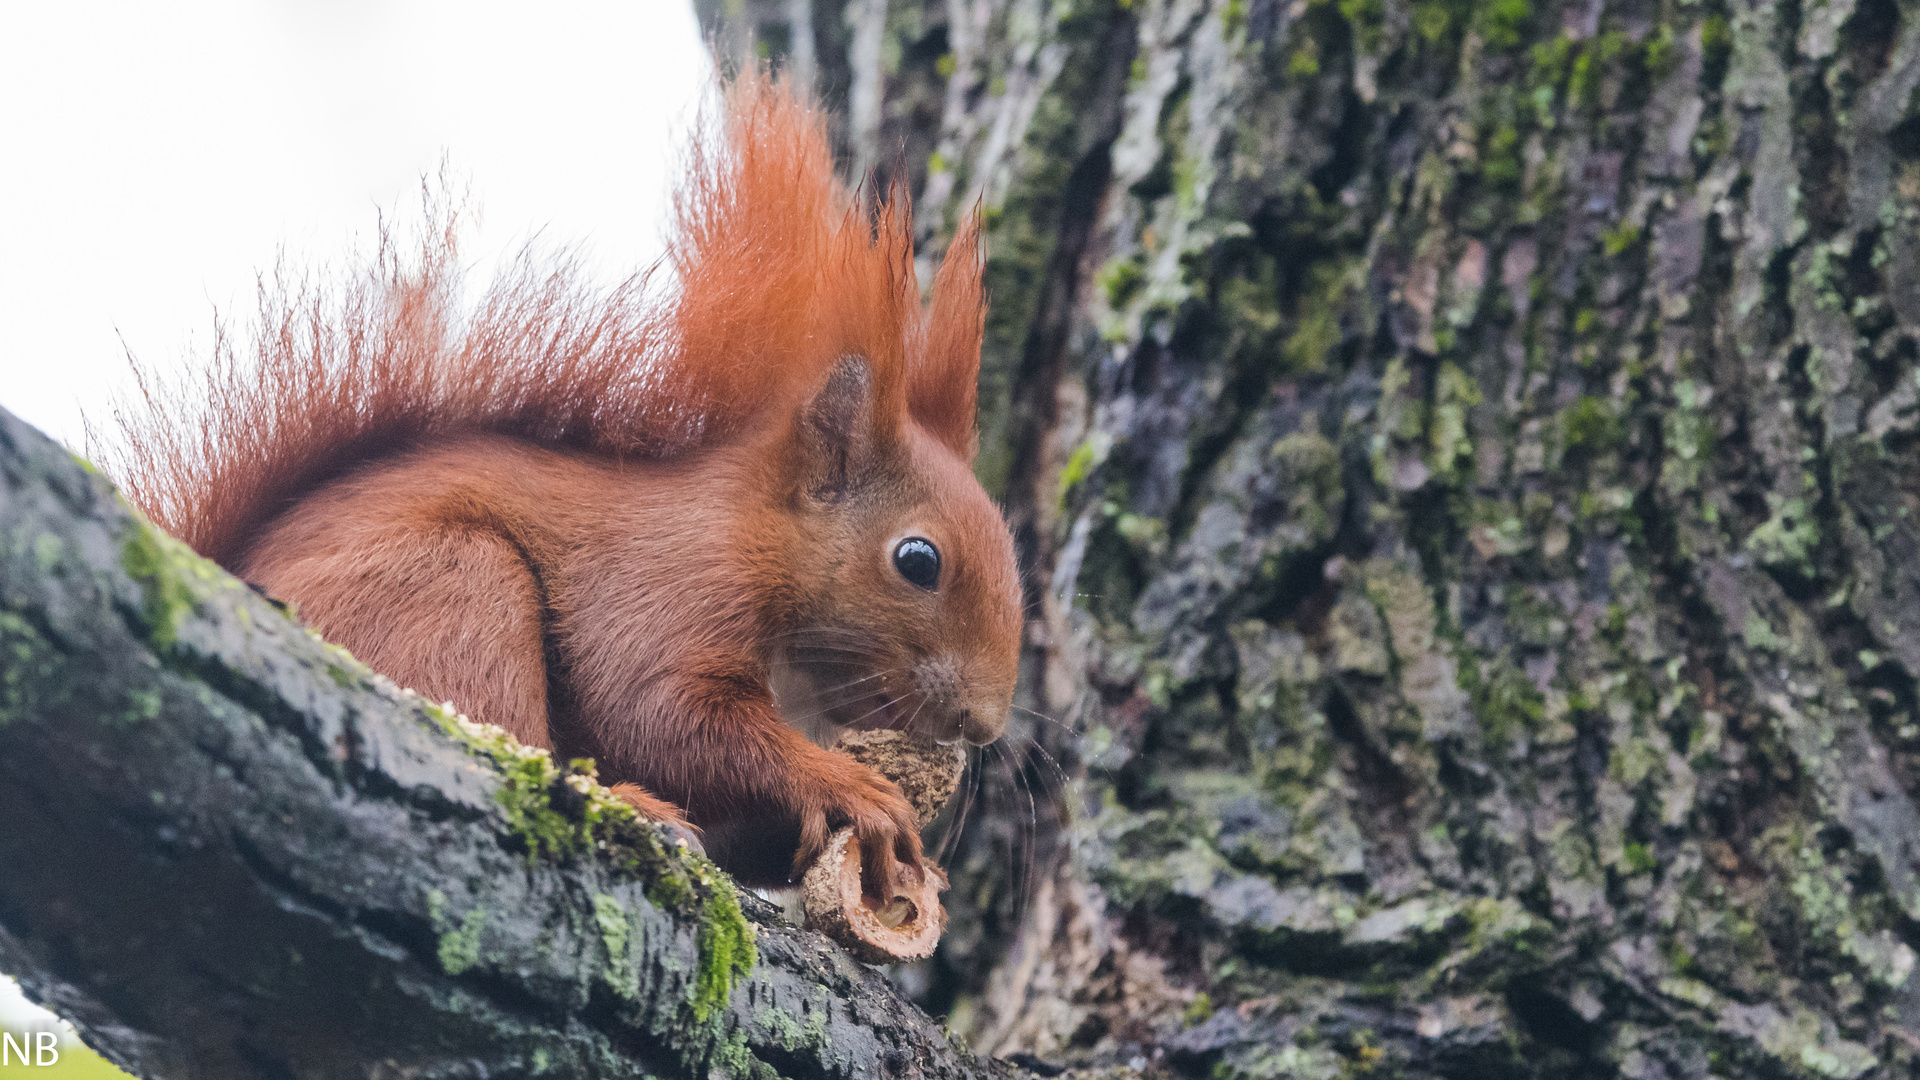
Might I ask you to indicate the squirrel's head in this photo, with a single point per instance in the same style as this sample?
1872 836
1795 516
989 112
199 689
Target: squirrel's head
799 314
906 611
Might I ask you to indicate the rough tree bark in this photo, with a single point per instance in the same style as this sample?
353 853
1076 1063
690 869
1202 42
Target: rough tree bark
227 849
1465 457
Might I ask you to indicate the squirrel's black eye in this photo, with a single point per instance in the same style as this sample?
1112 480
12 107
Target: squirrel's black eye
918 561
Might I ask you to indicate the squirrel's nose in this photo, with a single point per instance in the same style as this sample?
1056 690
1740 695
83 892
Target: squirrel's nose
977 729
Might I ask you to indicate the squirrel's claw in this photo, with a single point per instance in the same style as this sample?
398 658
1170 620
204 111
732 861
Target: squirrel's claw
684 835
885 828
889 855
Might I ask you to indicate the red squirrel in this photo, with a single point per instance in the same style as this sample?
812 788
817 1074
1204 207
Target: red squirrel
690 537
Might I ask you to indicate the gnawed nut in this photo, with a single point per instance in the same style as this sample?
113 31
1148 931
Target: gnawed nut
909 923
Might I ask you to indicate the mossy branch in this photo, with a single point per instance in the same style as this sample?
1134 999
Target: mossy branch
233 851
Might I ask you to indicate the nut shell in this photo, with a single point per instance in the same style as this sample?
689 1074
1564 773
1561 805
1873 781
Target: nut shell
910 924
927 772
908 928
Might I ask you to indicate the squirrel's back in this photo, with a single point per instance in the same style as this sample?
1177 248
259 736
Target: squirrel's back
778 270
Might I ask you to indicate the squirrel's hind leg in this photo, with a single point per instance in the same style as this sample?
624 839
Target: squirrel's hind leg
455 614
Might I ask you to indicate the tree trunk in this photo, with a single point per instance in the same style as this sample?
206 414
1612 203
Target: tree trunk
227 849
1465 460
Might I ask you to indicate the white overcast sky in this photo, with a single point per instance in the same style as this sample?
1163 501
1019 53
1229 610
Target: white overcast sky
155 157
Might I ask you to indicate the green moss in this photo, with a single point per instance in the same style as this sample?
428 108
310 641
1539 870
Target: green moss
1309 465
1188 175
617 933
528 778
673 890
1789 537
526 795
459 946
1588 427
730 1056
1505 701
1233 18
1402 419
1689 440
1120 281
1612 48
1500 159
1618 239
1079 464
1431 20
1640 858
1758 634
1454 394
815 1032
166 598
1580 80
1821 885
727 950
1199 1010
47 549
1316 326
1550 62
1502 22
791 1031
1085 458
1145 534
1716 46
28 667
1505 922
1296 1062
1251 303
782 1026
1660 56
143 703
1367 17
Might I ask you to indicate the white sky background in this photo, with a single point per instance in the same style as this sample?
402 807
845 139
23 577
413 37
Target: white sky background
155 157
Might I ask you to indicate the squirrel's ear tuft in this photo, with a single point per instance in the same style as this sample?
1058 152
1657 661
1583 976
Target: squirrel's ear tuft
945 387
837 433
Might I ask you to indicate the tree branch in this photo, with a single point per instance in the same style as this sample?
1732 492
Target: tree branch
233 851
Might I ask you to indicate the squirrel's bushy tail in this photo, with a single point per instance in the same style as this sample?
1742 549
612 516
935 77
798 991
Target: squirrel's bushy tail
780 272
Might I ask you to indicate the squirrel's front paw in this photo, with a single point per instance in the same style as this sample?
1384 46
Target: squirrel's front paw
884 825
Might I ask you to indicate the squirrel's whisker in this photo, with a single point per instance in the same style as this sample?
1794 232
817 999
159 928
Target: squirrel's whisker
957 825
1052 763
1037 715
849 699
878 708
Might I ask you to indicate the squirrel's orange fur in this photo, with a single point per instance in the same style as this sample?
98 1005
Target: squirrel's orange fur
656 532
